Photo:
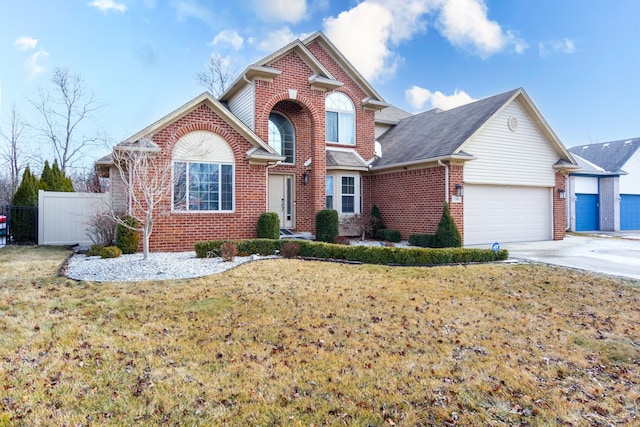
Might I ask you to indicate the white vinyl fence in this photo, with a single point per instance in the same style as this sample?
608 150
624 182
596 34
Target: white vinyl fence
63 218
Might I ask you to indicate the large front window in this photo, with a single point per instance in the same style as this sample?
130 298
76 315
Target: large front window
343 194
202 186
281 137
340 119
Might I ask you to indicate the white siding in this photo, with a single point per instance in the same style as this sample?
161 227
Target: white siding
520 157
243 106
585 185
63 218
119 198
630 184
380 129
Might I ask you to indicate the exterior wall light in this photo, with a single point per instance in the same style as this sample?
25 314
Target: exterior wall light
459 190
562 194
305 177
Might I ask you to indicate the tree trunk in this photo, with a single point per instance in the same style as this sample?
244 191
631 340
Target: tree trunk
145 244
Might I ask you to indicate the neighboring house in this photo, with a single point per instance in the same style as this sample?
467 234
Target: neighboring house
605 194
301 130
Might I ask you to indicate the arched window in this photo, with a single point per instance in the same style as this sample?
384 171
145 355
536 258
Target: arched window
203 173
340 119
281 136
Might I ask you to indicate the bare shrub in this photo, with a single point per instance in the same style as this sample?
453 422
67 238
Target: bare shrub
228 251
102 229
342 240
290 249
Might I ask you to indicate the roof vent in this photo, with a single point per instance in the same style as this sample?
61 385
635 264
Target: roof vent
512 123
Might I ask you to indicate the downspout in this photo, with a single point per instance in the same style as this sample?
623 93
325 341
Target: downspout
446 180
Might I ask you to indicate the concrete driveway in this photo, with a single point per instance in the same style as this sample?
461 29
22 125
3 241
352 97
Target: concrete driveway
616 254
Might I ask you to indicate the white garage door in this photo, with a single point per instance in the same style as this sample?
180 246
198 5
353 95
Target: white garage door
506 214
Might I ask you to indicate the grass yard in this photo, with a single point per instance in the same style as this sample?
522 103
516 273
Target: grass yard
286 342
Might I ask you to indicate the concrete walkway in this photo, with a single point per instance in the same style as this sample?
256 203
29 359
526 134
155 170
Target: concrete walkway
616 254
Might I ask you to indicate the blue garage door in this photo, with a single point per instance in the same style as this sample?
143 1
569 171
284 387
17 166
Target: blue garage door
587 212
630 212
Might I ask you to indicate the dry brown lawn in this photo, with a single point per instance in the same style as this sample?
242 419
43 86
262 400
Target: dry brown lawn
287 342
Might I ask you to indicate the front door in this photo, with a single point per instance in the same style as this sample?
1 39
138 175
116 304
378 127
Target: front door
281 199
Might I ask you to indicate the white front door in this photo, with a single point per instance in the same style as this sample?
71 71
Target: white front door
281 199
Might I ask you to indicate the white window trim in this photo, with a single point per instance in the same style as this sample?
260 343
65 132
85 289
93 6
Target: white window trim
188 211
337 193
352 111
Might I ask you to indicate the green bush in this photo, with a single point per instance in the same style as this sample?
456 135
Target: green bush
389 235
327 225
208 248
95 250
447 234
269 226
376 221
364 254
423 240
110 252
126 238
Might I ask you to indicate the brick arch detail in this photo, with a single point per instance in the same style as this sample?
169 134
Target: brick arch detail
300 99
210 127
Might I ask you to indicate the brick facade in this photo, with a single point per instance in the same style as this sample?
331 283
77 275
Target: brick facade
178 231
410 199
559 208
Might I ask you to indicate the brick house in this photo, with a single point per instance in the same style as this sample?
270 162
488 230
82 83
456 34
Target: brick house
301 130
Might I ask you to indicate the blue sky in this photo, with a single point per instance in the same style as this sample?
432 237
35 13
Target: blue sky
578 60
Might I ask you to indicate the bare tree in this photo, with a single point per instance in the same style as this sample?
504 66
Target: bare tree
146 178
63 110
217 77
89 181
12 149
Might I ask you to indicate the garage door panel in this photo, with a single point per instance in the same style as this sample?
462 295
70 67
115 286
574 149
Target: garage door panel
506 214
630 212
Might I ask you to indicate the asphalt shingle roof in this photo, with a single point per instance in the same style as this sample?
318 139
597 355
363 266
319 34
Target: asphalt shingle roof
611 156
436 133
344 159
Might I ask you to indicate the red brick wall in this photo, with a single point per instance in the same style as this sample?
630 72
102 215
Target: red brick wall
178 231
559 208
307 114
411 201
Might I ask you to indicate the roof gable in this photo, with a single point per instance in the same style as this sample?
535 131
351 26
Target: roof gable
217 107
611 156
436 134
321 75
344 63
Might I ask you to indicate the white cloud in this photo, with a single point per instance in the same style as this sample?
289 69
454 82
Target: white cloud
228 37
193 9
107 5
33 63
279 38
465 24
371 48
290 11
566 46
365 45
26 43
418 97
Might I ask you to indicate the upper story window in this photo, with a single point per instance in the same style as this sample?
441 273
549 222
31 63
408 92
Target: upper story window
340 119
281 136
203 173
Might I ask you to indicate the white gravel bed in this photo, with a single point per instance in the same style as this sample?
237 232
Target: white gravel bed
159 266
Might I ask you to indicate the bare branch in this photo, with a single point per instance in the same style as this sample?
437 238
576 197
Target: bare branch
217 77
12 149
63 112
